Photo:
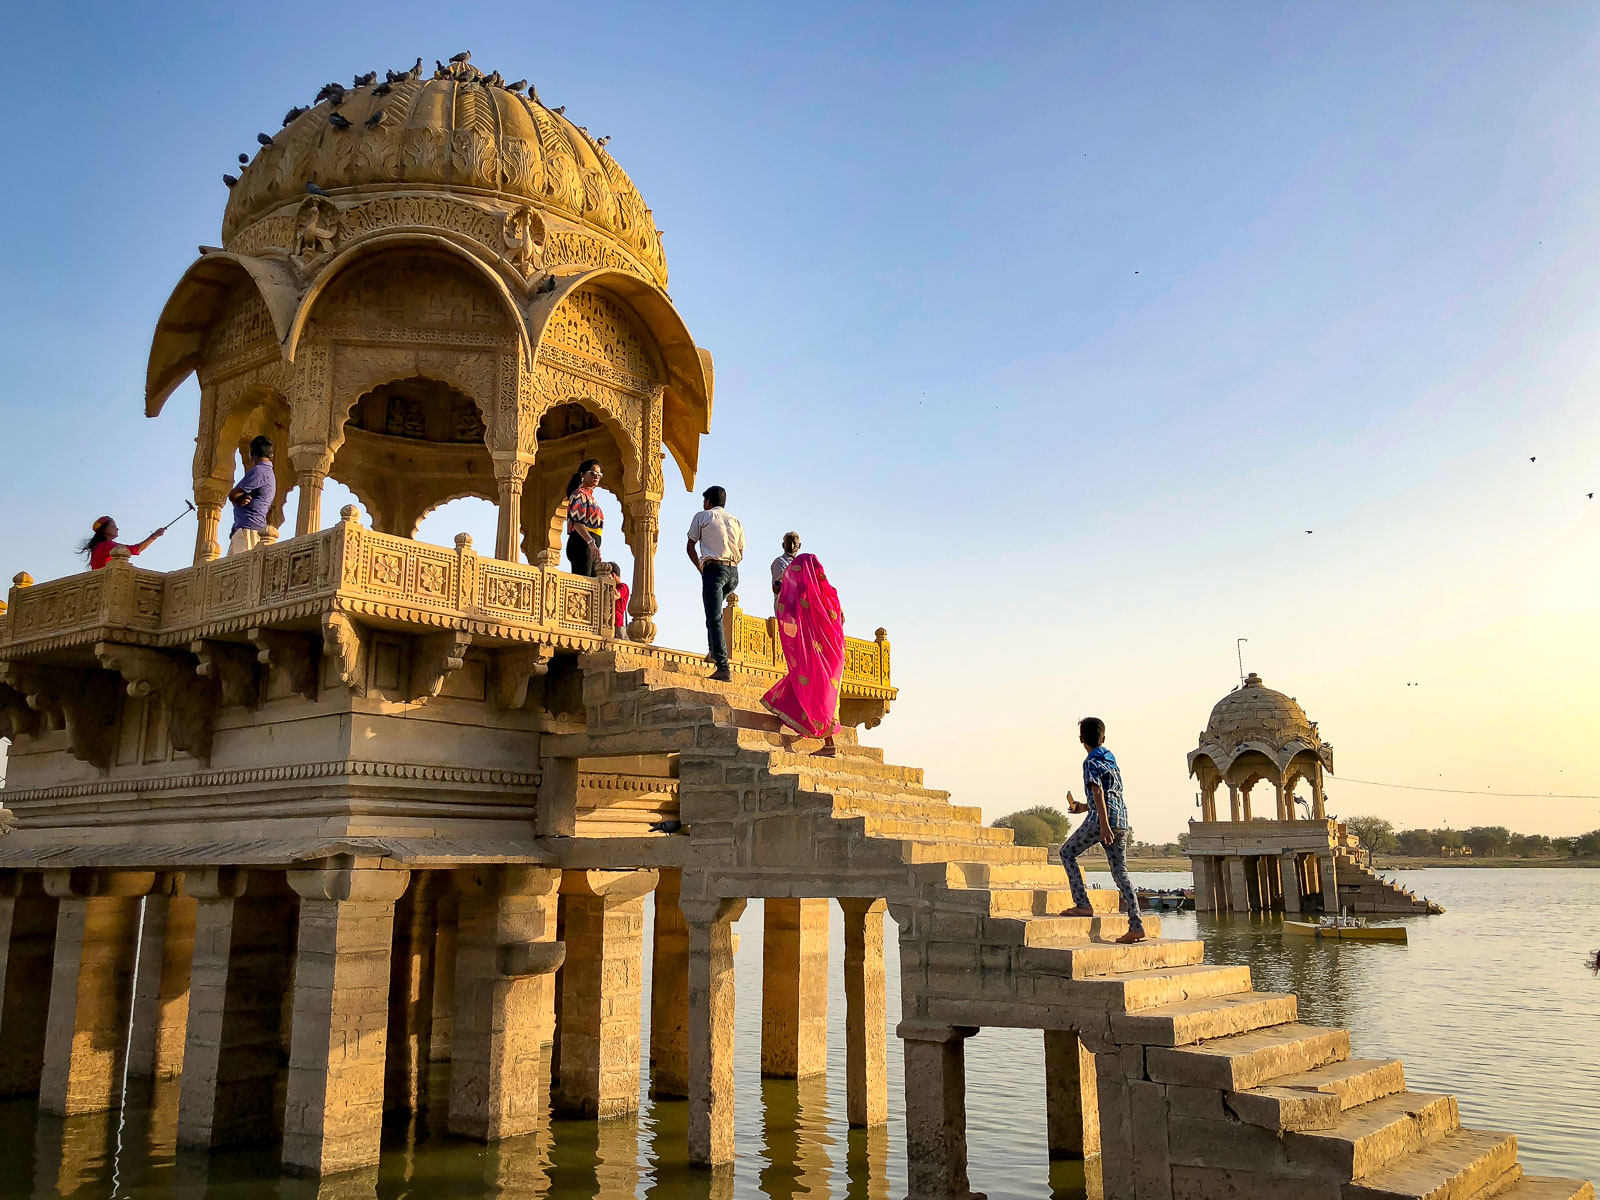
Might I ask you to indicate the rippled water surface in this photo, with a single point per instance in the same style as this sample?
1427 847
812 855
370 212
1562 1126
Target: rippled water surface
1490 1001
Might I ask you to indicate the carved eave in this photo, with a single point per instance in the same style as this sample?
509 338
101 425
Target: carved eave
686 414
376 243
179 341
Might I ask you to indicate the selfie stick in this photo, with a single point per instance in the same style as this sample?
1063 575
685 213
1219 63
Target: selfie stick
187 509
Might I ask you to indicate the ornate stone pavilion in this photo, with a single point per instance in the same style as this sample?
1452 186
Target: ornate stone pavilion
354 803
1295 859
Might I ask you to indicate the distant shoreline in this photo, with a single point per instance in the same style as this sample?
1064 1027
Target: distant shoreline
1093 862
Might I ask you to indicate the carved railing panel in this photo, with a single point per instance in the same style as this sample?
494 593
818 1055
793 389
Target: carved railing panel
752 646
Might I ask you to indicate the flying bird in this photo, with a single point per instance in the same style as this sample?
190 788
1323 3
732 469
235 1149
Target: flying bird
1534 458
1308 531
264 138
243 159
339 121
230 180
367 80
313 190
375 119
294 113
1591 495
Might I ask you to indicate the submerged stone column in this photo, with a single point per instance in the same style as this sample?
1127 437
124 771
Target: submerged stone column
1291 881
27 960
711 1021
794 988
1202 871
161 991
333 1109
411 995
936 1110
602 984
91 988
1238 884
444 975
866 1025
1327 867
669 994
506 957
242 950
1072 1101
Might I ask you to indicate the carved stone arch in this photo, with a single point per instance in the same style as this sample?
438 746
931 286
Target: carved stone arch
436 504
367 249
544 500
621 414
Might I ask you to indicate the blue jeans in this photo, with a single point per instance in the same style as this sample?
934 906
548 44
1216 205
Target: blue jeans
717 582
1087 836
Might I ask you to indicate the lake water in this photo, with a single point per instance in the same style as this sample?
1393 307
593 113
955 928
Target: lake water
1491 1001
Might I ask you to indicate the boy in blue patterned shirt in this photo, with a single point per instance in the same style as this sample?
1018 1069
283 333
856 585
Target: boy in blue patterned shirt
1107 823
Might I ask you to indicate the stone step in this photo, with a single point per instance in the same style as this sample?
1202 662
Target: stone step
1247 1060
1062 931
925 830
1135 991
1314 1099
1088 961
1463 1165
1034 873
902 807
991 853
1547 1187
848 770
845 740
1015 902
1370 1136
1188 1021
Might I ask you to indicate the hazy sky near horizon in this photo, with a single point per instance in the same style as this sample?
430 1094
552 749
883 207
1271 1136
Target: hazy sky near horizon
1053 329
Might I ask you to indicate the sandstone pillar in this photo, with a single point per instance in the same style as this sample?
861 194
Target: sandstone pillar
509 474
602 984
209 497
312 463
1233 802
866 1025
27 956
241 956
669 994
411 992
161 991
1244 800
643 528
1291 882
91 988
1281 798
1208 801
506 958
1072 1101
1200 867
1327 867
794 988
711 948
444 976
1238 885
936 1110
557 811
1317 806
333 1108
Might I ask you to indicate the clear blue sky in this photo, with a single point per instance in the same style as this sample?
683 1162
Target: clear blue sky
1051 327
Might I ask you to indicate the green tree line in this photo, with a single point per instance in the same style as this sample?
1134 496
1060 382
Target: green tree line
1482 841
1043 825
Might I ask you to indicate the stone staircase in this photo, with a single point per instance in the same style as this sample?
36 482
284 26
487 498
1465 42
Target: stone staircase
1362 890
1207 1088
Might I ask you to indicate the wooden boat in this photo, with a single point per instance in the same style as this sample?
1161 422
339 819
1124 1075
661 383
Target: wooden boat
1346 929
1166 900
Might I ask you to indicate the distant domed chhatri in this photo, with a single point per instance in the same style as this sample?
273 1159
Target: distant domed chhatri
1255 715
460 131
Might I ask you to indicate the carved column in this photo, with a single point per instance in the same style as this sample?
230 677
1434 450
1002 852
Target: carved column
243 943
506 958
334 1103
1244 799
669 994
312 462
1208 801
411 995
161 991
1233 802
1318 810
27 956
91 988
794 988
936 1110
602 984
209 497
509 474
1280 794
711 1022
643 528
866 1025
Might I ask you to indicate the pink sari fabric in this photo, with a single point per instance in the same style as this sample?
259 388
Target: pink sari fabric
811 631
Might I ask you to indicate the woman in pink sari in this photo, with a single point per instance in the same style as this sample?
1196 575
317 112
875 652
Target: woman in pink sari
811 631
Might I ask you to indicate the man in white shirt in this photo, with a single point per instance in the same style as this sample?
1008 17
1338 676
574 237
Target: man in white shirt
721 548
791 547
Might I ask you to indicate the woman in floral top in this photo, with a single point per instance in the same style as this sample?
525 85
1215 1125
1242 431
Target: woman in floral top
585 521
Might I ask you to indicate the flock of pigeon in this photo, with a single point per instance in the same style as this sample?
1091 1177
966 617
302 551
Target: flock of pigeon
335 94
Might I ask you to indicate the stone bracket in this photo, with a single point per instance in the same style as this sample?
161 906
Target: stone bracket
435 656
294 654
613 887
514 960
346 642
189 698
234 669
86 702
514 670
17 718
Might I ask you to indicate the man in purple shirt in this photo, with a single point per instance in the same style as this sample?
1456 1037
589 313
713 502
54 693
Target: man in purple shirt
252 497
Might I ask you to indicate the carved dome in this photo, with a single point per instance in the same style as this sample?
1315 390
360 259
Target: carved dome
1254 712
459 132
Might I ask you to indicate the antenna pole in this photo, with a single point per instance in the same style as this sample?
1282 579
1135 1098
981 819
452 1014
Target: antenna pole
1238 646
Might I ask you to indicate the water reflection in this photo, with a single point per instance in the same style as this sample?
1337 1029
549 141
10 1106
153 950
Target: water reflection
866 1164
795 1138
